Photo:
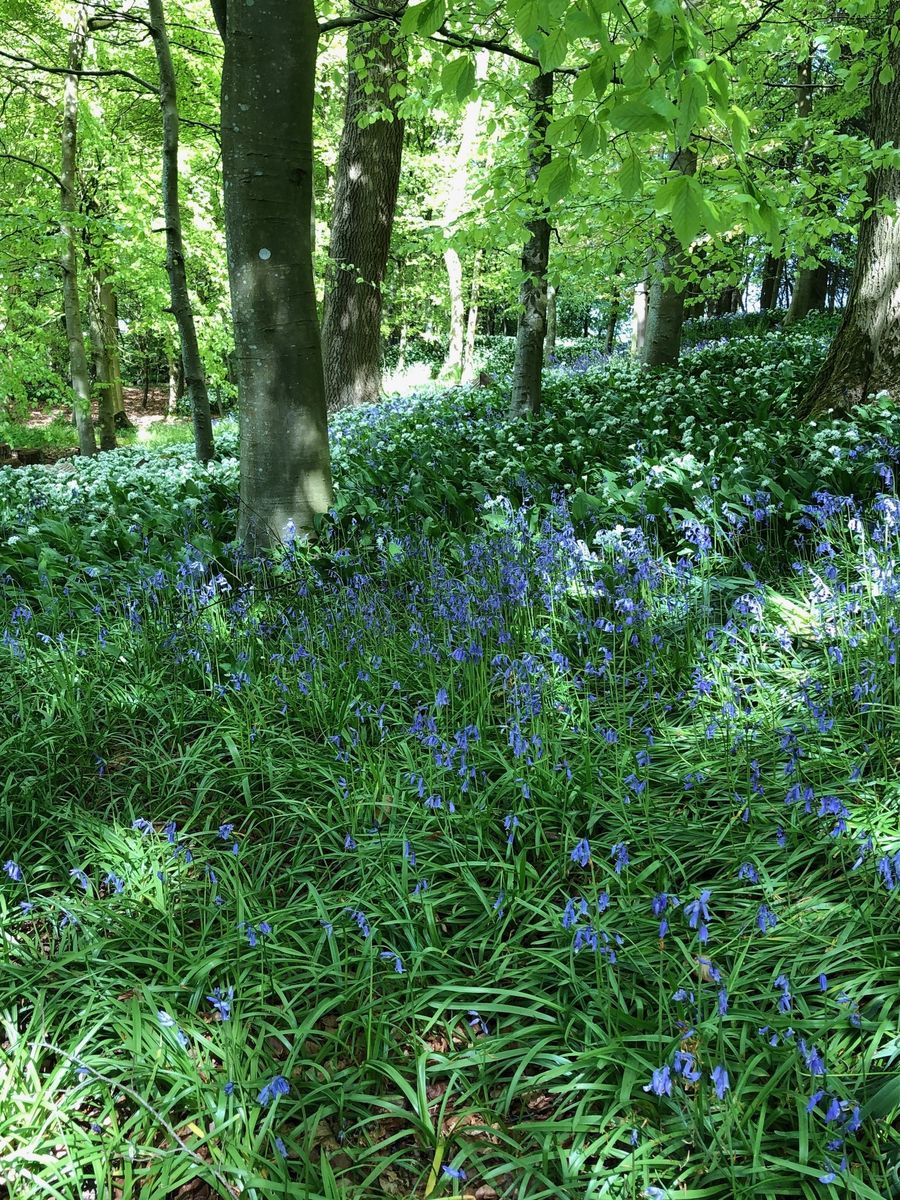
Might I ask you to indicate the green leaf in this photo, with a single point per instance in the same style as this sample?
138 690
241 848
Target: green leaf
886 75
553 49
629 176
739 125
526 19
636 117
555 179
458 76
682 197
590 138
692 98
601 74
583 87
424 18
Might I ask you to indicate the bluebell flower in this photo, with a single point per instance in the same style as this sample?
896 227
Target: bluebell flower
13 870
722 1002
117 884
221 1002
361 921
409 854
655 1193
765 918
453 1172
719 1078
143 825
394 958
421 886
225 831
784 1002
698 914
79 875
620 852
823 983
349 843
749 872
441 698
510 824
683 1064
582 852
229 1087
814 1099
477 1022
281 1147
661 1082
278 1086
169 831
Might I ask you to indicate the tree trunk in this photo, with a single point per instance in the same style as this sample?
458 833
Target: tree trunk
808 294
103 369
468 362
194 376
665 307
368 178
78 365
808 284
771 279
108 312
865 355
612 324
550 335
457 194
526 375
268 88
639 317
175 377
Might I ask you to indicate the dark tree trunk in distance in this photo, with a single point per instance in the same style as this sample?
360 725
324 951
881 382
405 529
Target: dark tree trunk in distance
102 369
665 308
865 355
268 88
367 181
810 281
526 376
194 375
771 279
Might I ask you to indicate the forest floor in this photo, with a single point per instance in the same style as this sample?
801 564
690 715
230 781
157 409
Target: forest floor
532 835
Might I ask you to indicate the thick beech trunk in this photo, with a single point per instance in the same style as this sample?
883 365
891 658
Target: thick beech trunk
367 181
78 364
194 375
865 355
526 375
665 307
268 87
108 314
809 294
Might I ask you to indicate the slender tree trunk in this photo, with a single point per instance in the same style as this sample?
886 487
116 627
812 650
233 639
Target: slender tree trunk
268 88
108 313
457 194
639 317
195 378
102 369
550 335
78 364
665 308
865 355
468 362
368 178
175 376
526 375
456 336
771 278
807 294
612 324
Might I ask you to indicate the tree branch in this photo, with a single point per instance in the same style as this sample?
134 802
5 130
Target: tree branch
31 163
27 64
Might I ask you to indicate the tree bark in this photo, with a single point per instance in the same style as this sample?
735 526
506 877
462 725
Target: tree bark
665 307
864 357
194 375
102 369
771 279
550 334
268 88
808 293
366 186
457 193
78 364
468 362
639 317
526 375
612 324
